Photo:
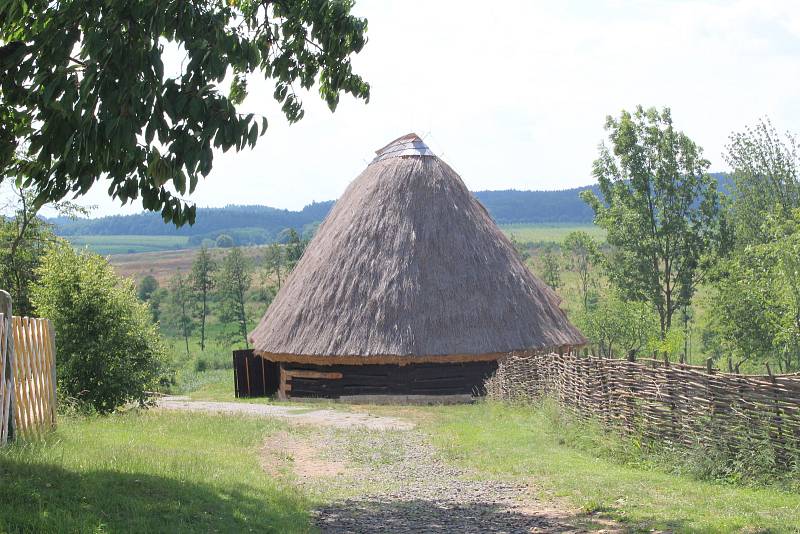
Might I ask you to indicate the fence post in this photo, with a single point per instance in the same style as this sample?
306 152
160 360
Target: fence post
8 372
781 456
51 331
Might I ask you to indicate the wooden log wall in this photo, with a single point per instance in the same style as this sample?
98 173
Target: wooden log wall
333 381
671 403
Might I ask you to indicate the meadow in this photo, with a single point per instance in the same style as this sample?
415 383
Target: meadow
128 244
163 256
121 245
550 233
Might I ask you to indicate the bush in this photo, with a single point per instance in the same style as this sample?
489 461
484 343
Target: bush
108 350
147 286
224 241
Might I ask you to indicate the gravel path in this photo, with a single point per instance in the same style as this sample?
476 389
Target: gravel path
378 474
396 481
304 415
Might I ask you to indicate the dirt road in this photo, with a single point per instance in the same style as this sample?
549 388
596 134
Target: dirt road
379 474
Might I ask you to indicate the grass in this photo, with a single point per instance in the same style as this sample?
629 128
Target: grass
549 233
147 472
592 470
128 244
599 473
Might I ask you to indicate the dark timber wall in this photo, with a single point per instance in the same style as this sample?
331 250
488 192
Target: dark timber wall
412 379
254 376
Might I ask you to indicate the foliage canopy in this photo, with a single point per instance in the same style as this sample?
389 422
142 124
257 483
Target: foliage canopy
109 351
660 208
85 93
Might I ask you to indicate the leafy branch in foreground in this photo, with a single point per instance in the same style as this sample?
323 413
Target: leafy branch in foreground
85 94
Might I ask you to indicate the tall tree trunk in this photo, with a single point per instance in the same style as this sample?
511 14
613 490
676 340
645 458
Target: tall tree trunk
203 319
184 323
243 317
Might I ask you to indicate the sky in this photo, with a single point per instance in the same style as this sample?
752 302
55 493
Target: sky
514 95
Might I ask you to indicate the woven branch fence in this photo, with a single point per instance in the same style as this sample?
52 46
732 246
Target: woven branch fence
674 404
28 384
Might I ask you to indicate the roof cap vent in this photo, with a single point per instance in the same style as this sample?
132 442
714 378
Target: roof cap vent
407 145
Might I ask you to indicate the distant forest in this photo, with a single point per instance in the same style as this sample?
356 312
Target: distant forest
250 225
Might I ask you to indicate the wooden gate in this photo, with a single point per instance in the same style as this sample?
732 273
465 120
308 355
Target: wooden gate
28 385
34 376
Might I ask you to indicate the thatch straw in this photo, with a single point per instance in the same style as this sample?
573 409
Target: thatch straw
408 263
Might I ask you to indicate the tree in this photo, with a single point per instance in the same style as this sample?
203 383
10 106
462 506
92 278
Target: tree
109 351
147 286
520 248
24 238
660 209
275 263
551 268
295 247
85 93
583 254
224 241
202 283
766 178
618 328
180 306
233 283
23 241
756 297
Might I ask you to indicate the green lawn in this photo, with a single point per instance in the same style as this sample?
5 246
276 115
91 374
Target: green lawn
549 233
147 472
531 443
128 244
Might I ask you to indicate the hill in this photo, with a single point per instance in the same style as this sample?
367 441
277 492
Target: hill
250 225
255 225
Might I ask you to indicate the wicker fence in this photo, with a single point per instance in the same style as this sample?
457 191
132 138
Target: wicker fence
28 385
670 403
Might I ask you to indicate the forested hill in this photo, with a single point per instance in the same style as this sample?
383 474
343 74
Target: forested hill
509 206
262 224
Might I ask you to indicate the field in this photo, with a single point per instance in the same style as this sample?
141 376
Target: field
158 255
128 244
163 265
549 233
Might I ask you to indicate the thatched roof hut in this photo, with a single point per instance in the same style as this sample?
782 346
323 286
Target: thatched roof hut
409 267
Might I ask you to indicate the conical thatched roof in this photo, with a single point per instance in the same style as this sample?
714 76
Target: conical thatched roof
408 266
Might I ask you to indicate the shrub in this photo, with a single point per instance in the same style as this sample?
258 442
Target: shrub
147 286
224 241
108 350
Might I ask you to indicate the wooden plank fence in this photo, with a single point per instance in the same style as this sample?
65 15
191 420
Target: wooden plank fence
670 403
28 385
34 376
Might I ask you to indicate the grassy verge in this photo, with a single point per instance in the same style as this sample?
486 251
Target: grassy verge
595 472
147 472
